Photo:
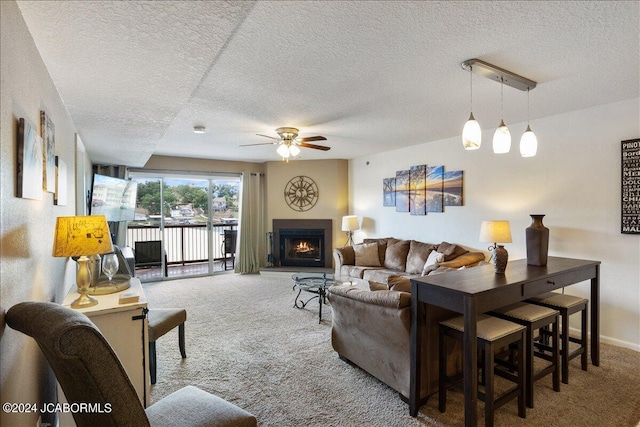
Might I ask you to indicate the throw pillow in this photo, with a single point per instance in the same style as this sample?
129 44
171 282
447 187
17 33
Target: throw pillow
395 257
434 258
382 246
376 286
367 255
450 250
418 253
399 283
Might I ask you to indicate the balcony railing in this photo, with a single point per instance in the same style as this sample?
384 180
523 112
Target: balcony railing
184 243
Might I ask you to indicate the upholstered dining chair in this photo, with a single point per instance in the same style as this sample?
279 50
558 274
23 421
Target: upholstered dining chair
89 371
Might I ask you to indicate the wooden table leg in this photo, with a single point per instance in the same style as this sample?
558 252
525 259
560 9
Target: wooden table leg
595 318
470 362
416 350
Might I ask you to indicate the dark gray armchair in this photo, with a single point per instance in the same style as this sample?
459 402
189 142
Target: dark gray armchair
89 372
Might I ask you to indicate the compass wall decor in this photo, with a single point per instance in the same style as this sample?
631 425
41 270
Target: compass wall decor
301 193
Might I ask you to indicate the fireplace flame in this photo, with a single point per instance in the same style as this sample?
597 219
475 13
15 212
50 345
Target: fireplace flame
304 247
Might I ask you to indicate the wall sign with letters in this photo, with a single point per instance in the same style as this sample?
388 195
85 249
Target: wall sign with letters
630 187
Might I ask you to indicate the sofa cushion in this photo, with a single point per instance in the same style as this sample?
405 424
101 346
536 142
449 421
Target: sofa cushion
382 246
395 257
347 271
418 253
367 255
432 262
380 275
450 250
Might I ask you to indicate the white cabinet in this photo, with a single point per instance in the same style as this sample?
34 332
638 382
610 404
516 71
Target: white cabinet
126 329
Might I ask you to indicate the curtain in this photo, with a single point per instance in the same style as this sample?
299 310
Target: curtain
252 224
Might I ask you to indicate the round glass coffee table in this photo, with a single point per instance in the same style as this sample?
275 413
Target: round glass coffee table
315 283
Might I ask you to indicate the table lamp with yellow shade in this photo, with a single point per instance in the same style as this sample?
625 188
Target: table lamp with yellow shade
82 236
497 231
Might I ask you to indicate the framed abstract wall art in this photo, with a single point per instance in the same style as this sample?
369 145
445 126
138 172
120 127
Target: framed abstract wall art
29 162
60 196
47 131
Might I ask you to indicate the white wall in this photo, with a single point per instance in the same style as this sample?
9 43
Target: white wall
28 272
574 180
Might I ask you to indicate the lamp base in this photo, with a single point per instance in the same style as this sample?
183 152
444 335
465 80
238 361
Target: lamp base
84 301
500 259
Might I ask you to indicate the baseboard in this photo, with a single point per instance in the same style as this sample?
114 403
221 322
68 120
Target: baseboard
608 340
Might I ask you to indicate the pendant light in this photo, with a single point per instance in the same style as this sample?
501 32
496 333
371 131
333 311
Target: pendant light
471 133
528 142
502 137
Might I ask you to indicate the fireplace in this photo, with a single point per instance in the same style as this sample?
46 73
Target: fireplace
301 247
302 243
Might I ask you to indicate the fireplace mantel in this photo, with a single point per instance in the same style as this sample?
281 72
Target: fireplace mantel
317 224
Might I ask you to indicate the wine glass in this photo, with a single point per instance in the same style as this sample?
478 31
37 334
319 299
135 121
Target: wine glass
110 265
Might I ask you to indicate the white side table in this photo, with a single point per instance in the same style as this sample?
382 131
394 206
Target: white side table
126 329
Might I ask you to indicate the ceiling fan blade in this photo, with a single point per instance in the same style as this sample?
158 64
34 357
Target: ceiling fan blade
314 146
267 136
262 143
312 138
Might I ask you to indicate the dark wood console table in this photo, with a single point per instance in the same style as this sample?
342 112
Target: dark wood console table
477 290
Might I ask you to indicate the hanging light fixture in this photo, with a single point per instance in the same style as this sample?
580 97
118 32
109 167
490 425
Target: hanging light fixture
471 133
528 142
502 137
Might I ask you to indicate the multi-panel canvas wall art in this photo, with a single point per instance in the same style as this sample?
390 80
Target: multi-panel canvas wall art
433 202
418 190
423 189
402 191
29 177
389 192
47 130
452 188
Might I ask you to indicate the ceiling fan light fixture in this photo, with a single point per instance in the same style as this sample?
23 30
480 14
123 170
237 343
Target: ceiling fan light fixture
294 150
283 151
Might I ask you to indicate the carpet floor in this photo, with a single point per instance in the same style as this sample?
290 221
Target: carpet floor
246 343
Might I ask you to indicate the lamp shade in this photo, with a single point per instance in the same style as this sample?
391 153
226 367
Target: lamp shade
81 235
350 223
495 231
502 139
528 143
471 134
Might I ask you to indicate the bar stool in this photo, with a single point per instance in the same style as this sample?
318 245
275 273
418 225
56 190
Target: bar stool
567 305
162 321
534 317
493 334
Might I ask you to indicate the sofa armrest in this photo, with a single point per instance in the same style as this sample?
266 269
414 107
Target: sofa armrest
383 298
343 256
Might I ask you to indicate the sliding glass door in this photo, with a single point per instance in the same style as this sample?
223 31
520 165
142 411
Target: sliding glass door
185 225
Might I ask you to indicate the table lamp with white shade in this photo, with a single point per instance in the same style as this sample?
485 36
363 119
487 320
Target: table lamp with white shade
350 224
82 236
497 231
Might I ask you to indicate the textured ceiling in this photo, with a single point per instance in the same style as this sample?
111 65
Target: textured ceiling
136 77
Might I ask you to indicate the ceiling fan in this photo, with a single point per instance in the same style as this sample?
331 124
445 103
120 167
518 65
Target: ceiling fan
289 144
